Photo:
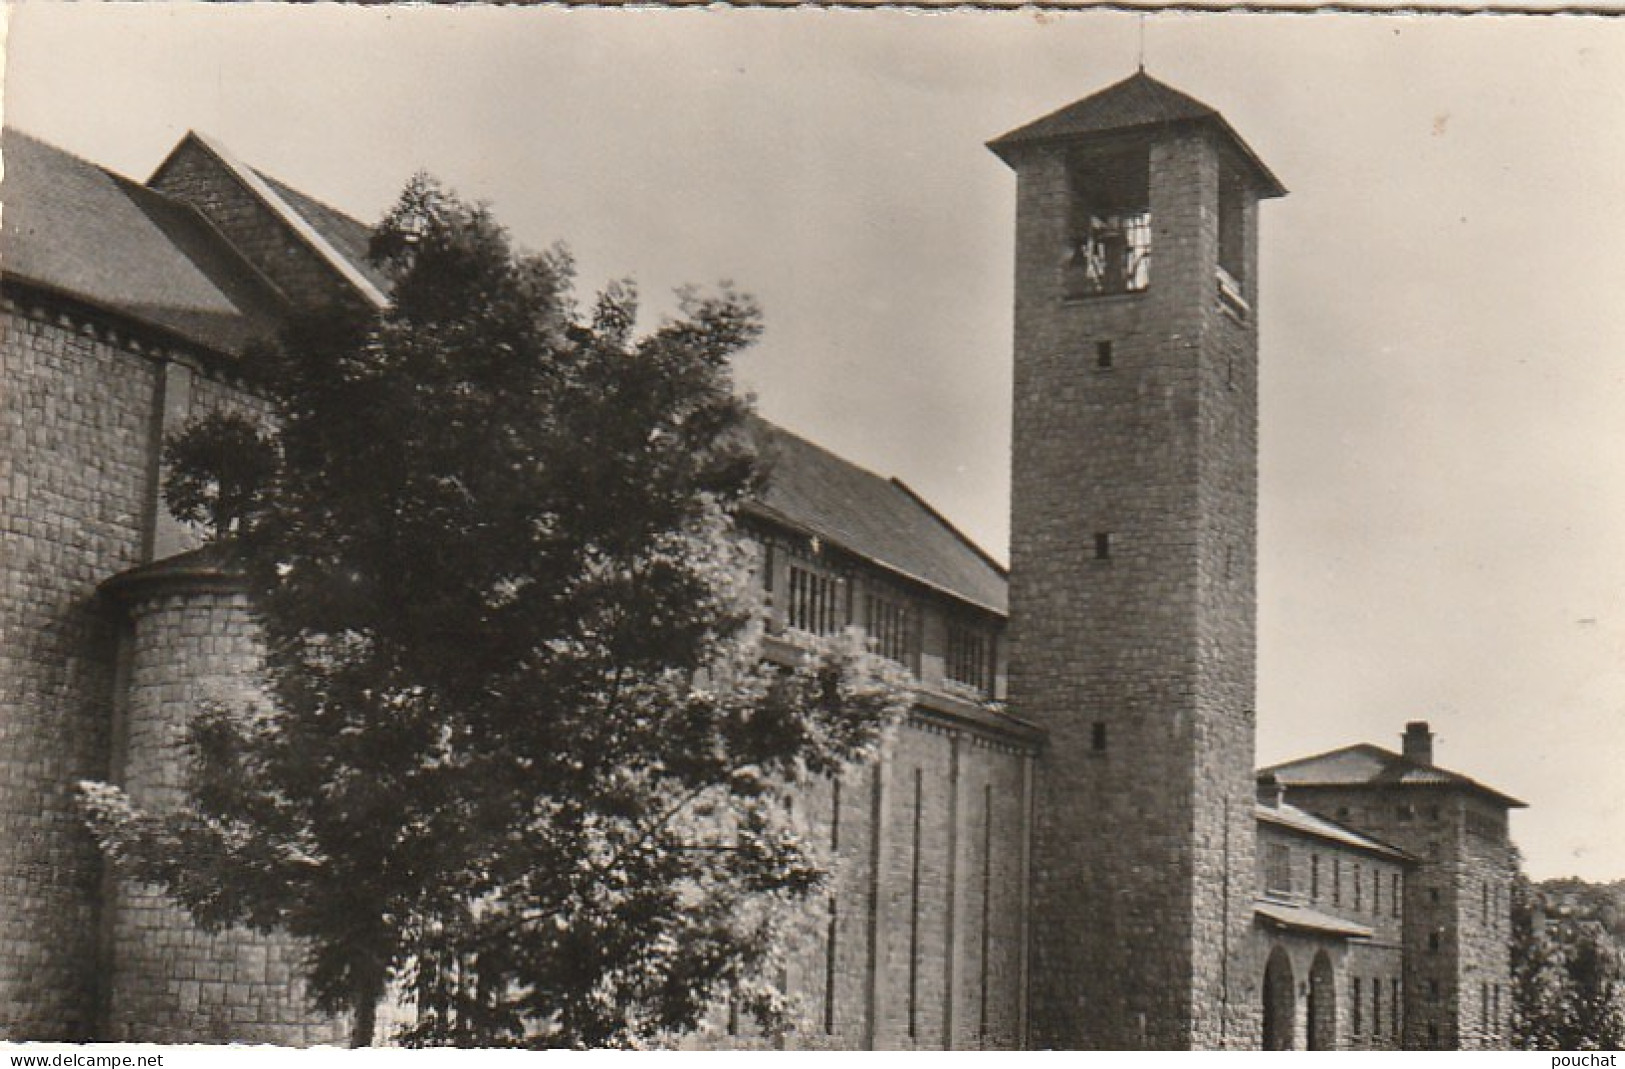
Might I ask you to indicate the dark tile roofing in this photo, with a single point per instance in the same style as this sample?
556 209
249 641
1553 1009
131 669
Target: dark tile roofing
1290 816
209 567
882 520
1365 765
1138 101
80 230
106 240
1302 918
348 235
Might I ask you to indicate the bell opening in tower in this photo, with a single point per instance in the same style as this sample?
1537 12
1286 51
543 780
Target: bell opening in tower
1108 240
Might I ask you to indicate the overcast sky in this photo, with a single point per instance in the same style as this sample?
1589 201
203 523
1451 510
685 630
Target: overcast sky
1442 313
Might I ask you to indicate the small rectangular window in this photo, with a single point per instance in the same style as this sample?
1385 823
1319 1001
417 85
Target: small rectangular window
1278 868
1337 881
1376 1006
1356 1003
1394 898
816 603
1103 355
970 656
1103 545
892 630
1314 877
1098 736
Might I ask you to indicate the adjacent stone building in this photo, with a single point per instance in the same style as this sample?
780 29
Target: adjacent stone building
1067 845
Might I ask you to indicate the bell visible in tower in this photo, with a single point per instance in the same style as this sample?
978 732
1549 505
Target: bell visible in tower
1108 243
1135 402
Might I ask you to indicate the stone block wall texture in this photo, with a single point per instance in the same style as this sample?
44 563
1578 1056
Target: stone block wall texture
171 982
195 175
1457 905
1319 970
82 418
1481 878
1325 876
927 907
1143 877
76 475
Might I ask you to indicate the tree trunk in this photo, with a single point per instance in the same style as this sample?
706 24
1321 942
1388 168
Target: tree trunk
365 1022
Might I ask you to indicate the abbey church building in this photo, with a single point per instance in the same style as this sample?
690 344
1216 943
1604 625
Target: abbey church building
1069 845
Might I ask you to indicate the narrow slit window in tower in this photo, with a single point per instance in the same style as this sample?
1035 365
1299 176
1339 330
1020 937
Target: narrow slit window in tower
1233 229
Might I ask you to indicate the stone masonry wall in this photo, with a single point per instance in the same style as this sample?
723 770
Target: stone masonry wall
170 981
1482 878
1140 663
1357 886
1457 906
1227 608
76 434
927 910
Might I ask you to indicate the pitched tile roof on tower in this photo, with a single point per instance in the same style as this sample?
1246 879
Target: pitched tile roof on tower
1137 102
79 230
1365 765
814 491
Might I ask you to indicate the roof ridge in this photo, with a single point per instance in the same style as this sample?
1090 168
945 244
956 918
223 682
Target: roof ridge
1318 756
1393 761
909 491
804 440
814 489
16 131
952 528
285 187
302 227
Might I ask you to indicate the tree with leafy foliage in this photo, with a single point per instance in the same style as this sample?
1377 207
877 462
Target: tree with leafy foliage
1568 966
522 758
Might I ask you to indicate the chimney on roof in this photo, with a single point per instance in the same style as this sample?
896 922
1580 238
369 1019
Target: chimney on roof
1270 790
1418 743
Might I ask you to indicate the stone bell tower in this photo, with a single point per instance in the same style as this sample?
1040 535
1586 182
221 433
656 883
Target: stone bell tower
1133 561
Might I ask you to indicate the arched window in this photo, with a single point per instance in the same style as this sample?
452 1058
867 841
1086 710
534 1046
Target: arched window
1322 1004
1280 996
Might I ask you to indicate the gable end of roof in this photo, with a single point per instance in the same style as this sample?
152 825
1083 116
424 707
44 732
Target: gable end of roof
279 206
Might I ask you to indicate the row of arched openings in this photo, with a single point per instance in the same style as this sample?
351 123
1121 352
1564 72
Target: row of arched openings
1280 1004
